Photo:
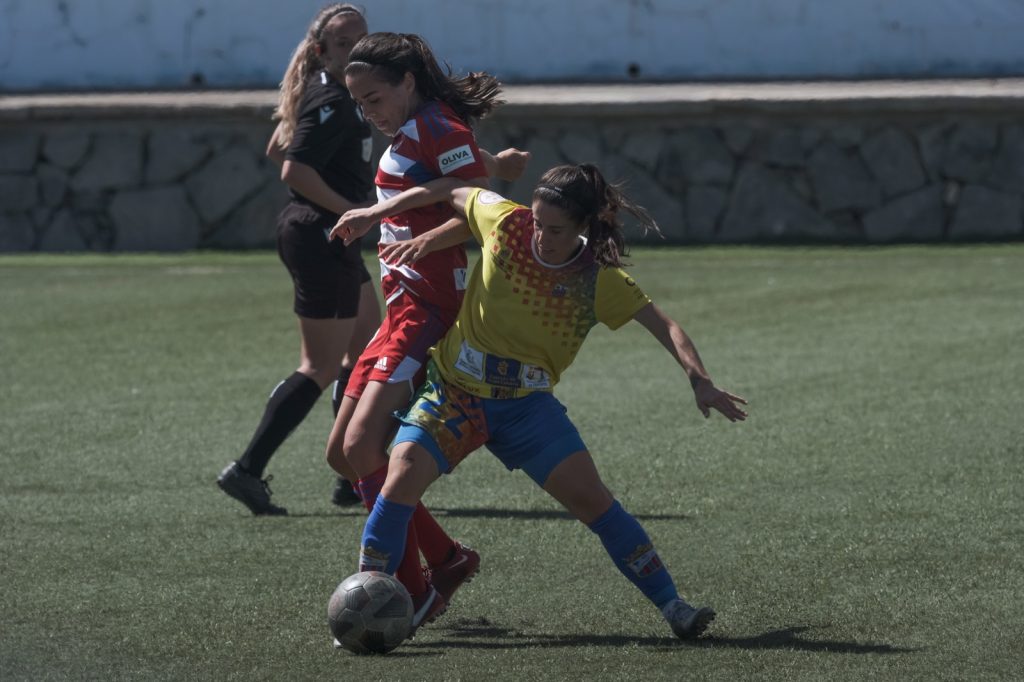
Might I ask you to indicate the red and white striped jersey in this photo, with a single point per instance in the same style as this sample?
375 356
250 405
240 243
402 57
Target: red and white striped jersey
434 143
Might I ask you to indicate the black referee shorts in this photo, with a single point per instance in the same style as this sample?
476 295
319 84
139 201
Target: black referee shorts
327 274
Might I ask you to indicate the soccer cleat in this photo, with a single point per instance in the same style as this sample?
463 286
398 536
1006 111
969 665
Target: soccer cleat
688 622
449 576
427 607
250 490
345 495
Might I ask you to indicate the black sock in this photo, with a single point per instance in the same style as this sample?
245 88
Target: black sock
339 388
289 404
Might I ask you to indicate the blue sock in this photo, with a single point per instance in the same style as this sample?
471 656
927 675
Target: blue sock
384 536
629 547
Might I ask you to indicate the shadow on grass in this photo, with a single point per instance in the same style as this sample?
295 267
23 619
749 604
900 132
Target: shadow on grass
482 634
353 511
483 513
789 638
533 514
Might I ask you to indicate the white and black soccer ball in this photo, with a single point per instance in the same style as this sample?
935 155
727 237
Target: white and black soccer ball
370 613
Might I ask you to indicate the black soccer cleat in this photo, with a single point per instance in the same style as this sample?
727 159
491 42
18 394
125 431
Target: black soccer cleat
250 490
345 494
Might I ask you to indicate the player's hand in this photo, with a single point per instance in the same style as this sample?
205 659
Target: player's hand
710 397
511 163
354 224
397 254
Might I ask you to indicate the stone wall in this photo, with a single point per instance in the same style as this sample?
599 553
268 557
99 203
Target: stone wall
149 177
823 180
137 186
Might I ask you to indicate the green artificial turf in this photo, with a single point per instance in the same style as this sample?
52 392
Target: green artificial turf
867 521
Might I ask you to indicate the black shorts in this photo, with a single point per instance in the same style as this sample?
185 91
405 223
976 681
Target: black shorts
327 274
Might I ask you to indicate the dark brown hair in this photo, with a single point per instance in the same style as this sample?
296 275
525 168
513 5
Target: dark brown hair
591 201
389 56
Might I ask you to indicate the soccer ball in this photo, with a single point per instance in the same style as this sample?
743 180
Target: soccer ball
370 613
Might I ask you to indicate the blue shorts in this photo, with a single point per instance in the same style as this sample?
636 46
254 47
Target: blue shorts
532 433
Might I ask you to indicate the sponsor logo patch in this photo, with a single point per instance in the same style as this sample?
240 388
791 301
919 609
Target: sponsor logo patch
471 361
460 279
381 364
326 112
535 377
644 560
453 159
372 560
500 371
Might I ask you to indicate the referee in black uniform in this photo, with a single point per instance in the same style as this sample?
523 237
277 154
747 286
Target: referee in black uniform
324 147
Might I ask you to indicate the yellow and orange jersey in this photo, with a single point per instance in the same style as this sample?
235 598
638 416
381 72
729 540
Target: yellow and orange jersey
522 321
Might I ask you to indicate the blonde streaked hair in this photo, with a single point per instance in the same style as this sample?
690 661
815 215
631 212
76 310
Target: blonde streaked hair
303 64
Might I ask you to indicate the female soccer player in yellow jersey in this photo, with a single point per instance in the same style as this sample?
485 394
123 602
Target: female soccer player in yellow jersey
546 276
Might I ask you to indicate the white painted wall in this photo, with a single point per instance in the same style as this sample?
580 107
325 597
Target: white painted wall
116 44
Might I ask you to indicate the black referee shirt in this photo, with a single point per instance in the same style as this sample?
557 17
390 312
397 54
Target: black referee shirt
332 137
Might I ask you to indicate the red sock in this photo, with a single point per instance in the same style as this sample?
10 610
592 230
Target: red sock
436 545
409 572
369 487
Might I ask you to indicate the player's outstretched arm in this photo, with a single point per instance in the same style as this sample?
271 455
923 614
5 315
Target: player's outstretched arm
357 222
680 347
508 164
453 232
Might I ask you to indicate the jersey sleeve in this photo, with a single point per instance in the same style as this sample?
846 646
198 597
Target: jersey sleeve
321 130
618 298
485 210
452 150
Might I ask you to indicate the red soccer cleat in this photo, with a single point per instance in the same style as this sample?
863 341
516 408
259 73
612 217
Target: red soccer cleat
460 568
426 608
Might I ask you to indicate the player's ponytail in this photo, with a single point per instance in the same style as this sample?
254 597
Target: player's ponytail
389 56
304 62
591 201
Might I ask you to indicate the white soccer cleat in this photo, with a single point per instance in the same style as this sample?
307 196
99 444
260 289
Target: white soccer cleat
688 622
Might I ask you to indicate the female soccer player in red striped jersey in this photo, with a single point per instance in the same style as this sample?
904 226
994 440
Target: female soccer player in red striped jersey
547 275
402 91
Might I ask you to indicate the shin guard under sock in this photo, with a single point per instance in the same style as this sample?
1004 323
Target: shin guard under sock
633 554
408 570
384 536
